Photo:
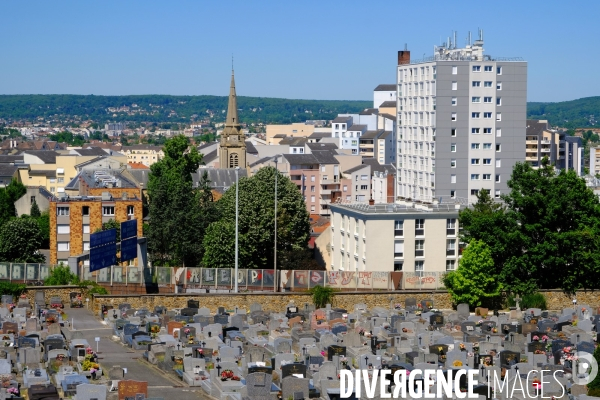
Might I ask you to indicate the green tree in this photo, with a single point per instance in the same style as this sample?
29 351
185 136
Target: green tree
179 213
20 240
557 226
44 224
111 224
256 223
474 282
34 212
61 275
8 195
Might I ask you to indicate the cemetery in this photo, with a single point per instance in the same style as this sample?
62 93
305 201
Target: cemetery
296 352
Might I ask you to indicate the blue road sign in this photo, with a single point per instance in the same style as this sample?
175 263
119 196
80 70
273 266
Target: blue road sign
128 229
129 249
103 249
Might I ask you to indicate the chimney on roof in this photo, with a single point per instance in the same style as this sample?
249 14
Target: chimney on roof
403 57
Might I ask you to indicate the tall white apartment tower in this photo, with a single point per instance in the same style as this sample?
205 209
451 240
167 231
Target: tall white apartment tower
461 122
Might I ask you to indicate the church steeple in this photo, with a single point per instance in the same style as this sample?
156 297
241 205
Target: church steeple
232 149
232 112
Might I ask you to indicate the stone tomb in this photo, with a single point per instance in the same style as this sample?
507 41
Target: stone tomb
128 389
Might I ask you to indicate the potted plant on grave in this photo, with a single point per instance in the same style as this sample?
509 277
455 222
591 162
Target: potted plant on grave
13 391
86 366
154 330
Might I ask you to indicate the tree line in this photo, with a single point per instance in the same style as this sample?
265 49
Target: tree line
545 234
189 228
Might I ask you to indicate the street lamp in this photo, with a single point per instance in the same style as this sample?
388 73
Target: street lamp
275 247
237 181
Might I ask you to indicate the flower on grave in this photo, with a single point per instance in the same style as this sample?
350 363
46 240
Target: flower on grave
583 309
89 350
105 312
537 384
93 370
186 331
480 322
24 296
323 353
539 352
462 347
567 349
12 390
535 338
457 363
494 330
398 306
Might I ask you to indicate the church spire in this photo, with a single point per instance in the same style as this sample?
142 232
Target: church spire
232 112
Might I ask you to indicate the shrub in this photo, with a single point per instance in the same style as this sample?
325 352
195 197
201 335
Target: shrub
322 296
594 386
13 289
61 275
533 300
91 287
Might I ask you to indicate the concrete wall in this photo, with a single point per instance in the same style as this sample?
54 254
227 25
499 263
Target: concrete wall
23 205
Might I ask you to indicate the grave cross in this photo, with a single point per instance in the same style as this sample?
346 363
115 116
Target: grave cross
482 369
303 350
218 359
178 346
419 340
203 344
517 300
218 369
488 338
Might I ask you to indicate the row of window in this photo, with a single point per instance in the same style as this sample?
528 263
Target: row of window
476 131
487 84
498 147
477 68
85 211
420 227
420 248
487 100
454 116
66 246
476 177
65 229
475 192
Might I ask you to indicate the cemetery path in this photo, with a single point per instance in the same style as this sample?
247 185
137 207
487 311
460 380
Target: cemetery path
111 353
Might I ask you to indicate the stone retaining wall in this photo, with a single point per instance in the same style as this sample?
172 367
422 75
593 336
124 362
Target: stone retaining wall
270 301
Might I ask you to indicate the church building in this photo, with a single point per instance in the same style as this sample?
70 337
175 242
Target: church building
232 148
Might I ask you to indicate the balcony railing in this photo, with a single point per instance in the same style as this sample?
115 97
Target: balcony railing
450 232
450 252
419 253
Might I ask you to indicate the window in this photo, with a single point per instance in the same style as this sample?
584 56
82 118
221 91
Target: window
487 146
63 229
487 84
364 177
499 70
487 115
399 249
324 177
487 68
476 99
398 265
450 265
86 228
453 148
474 177
475 115
498 163
312 178
399 228
108 210
419 267
86 246
487 131
475 131
364 187
474 161
312 208
476 68
474 192
52 180
453 178
85 211
453 194
52 189
474 146
497 194
312 198
419 248
487 177
233 161
419 227
452 163
476 83
487 161
453 116
62 246
451 247
498 101
498 85
312 189
451 226
62 211
130 210
497 178
454 101
61 180
487 99
498 132
454 70
454 85
498 147
453 132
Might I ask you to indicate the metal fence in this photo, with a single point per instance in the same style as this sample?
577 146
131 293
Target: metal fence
191 279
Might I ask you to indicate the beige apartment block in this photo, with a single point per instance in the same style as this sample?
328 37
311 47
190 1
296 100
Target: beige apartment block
143 153
277 132
394 237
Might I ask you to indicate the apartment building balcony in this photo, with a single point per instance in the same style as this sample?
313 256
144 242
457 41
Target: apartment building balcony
546 149
531 158
531 141
330 181
325 191
545 141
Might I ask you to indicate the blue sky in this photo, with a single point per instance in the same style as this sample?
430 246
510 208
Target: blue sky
307 49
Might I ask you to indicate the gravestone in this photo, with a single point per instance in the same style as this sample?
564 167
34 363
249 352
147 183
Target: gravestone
130 388
295 388
335 350
293 369
193 304
86 391
258 384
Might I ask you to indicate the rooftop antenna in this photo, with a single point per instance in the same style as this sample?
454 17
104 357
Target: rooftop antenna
405 46
482 35
455 39
469 38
